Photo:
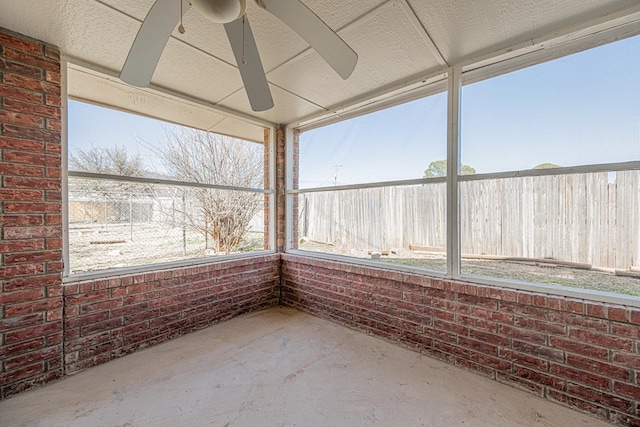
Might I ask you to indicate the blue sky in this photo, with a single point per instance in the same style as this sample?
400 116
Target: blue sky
581 109
384 146
90 125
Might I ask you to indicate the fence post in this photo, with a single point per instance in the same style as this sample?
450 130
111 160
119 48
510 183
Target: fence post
131 216
184 226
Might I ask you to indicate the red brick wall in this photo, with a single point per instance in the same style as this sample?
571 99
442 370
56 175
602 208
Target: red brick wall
109 318
280 188
30 214
281 198
103 319
582 354
267 185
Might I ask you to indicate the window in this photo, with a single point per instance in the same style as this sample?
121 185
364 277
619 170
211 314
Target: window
373 186
577 110
142 191
548 181
572 227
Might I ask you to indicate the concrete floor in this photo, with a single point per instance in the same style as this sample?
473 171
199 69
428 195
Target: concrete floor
281 367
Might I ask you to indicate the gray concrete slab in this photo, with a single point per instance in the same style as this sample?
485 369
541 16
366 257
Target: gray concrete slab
281 367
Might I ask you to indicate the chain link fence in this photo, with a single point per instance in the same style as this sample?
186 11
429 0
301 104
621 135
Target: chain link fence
116 224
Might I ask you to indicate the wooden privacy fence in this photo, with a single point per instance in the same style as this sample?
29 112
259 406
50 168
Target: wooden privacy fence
591 218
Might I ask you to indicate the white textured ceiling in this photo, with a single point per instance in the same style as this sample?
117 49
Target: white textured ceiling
397 41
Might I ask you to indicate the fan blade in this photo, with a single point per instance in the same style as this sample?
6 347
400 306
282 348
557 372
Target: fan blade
152 37
320 37
248 59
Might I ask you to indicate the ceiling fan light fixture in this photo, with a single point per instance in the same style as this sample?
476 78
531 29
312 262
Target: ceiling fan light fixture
165 15
221 11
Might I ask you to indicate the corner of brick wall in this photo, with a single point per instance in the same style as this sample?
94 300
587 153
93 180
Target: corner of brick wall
280 187
581 354
105 318
267 186
109 318
30 214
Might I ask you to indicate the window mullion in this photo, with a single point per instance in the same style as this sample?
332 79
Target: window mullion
453 165
65 168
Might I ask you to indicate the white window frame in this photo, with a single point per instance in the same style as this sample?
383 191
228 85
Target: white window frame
119 271
555 45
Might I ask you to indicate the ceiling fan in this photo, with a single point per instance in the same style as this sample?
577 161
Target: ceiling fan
164 15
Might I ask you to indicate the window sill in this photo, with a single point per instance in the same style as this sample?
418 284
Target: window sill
123 271
553 290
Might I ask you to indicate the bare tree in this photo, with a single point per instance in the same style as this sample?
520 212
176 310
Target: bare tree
223 216
107 160
115 161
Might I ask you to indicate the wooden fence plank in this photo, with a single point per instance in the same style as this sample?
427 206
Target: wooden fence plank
581 218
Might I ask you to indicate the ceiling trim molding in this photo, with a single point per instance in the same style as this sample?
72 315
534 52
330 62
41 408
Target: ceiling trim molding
621 24
408 90
549 50
173 95
562 36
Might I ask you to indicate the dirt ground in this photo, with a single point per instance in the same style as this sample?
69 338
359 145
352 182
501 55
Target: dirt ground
97 246
522 271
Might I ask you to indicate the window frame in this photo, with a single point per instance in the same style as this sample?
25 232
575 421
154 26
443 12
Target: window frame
436 84
67 277
555 45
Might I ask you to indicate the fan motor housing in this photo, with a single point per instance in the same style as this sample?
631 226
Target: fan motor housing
221 11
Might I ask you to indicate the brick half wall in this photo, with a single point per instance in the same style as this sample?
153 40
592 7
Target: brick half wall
581 354
109 318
